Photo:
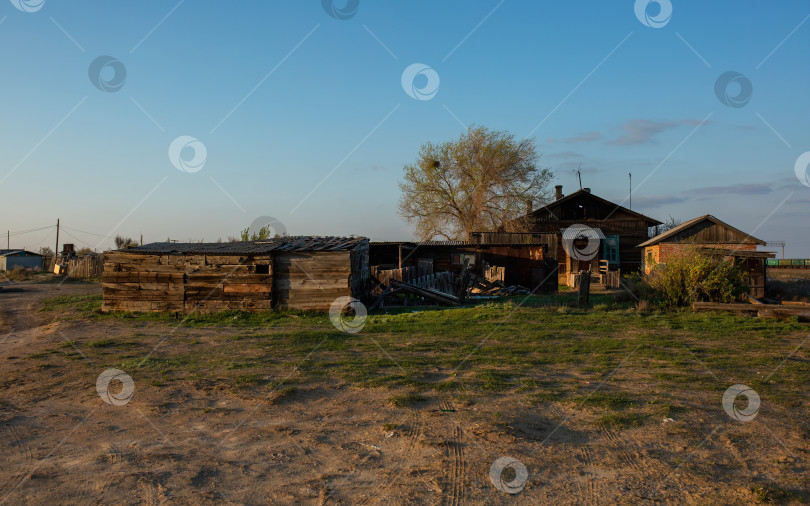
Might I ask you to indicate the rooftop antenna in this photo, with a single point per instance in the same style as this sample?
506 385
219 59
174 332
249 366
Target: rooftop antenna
630 174
579 175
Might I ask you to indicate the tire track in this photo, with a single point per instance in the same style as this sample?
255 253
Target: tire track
625 451
24 461
457 474
590 488
412 436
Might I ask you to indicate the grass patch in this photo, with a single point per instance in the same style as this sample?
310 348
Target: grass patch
606 400
621 420
406 400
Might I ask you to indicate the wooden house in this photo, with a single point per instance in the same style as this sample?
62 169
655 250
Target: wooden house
522 264
288 272
604 236
713 236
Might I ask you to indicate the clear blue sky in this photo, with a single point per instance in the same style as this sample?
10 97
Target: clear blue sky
282 95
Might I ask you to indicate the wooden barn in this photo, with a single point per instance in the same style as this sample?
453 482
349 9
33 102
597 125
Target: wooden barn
713 236
287 272
615 231
522 264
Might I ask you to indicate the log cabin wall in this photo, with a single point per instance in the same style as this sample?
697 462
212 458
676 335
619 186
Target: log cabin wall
306 273
186 283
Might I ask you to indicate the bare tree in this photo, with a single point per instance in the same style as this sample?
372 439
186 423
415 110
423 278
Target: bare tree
124 242
482 181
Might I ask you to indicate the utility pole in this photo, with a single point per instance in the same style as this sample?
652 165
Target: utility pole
579 175
8 239
141 239
631 189
56 251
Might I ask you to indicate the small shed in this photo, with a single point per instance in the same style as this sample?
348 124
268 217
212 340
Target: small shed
13 258
302 272
714 236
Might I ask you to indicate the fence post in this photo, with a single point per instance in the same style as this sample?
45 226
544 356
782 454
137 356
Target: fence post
584 288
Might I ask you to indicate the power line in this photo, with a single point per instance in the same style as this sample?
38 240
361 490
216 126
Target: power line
86 232
20 232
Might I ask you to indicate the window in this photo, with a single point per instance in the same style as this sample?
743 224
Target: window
610 249
263 269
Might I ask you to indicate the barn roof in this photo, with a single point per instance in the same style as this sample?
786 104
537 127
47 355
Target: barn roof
700 219
286 243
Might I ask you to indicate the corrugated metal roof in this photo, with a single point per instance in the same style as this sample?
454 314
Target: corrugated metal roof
294 243
451 243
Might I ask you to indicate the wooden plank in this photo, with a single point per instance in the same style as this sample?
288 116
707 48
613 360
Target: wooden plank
247 288
753 300
716 306
442 298
783 313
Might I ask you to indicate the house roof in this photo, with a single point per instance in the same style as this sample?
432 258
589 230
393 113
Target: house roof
691 223
286 243
8 252
579 193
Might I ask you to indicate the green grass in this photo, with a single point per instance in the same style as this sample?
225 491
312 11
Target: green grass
621 420
405 400
547 350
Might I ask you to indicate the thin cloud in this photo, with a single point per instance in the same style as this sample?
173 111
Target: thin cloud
735 189
655 202
585 137
564 154
644 131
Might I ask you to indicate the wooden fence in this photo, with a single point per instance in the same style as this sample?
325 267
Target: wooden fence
442 281
90 266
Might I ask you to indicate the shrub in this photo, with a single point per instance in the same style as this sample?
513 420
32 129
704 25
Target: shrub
692 275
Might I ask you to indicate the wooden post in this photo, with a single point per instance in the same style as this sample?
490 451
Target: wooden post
584 288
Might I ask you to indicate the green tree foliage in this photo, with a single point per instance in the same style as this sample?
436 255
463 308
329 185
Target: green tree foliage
482 181
264 233
692 275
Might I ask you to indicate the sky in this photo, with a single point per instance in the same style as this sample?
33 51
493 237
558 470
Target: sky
189 120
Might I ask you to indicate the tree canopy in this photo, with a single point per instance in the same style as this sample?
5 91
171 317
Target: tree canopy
480 182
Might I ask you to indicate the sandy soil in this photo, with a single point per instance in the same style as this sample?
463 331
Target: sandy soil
200 443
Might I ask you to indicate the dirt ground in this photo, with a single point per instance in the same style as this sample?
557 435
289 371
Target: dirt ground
197 442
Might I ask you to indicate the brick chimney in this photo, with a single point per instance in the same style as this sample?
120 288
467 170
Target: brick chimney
558 194
586 190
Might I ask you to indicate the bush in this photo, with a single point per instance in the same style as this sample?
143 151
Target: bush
692 276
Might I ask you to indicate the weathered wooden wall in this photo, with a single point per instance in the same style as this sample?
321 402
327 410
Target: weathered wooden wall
312 280
185 283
